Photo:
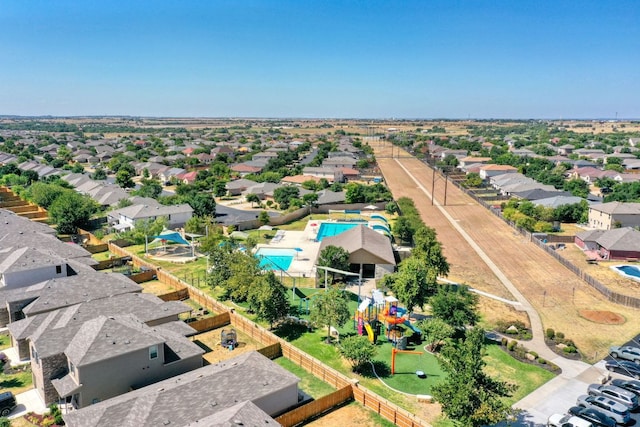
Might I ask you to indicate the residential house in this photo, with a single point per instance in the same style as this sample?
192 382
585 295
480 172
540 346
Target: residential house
488 171
331 174
23 266
265 156
565 149
238 186
619 244
607 216
466 161
350 174
54 294
245 169
591 174
340 162
126 218
248 390
187 177
556 201
166 175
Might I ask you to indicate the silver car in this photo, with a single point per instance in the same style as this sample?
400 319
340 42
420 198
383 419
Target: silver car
626 352
610 408
627 398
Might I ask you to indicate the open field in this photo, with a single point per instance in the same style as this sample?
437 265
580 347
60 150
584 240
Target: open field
555 292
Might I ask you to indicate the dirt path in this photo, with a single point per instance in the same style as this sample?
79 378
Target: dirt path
553 291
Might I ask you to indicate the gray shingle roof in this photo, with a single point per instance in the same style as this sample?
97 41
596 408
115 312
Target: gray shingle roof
618 208
11 221
620 239
361 240
180 401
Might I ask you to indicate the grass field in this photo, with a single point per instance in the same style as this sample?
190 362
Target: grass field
5 342
17 383
308 383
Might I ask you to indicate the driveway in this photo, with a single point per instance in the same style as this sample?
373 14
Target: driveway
29 401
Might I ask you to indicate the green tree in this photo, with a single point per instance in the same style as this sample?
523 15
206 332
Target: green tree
44 194
252 198
263 217
149 188
71 210
124 178
468 395
472 180
404 228
435 331
335 257
99 174
268 299
358 351
328 309
455 305
577 187
428 249
414 283
283 195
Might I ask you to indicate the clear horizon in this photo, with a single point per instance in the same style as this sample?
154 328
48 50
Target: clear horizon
413 60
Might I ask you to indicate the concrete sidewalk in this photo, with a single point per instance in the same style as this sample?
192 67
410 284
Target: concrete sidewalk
29 401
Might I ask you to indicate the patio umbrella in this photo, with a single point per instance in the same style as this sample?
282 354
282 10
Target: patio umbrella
298 250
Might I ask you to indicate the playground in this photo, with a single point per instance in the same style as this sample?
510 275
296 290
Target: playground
401 363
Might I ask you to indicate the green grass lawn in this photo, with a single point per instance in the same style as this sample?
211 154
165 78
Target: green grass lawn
527 377
17 383
308 383
5 342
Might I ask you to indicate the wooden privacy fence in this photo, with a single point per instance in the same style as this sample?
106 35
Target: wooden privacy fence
95 249
317 368
143 276
210 323
111 262
272 351
179 295
315 407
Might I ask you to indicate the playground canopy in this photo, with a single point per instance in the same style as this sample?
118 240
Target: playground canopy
172 236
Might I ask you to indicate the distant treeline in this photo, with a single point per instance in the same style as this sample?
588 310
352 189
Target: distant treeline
87 128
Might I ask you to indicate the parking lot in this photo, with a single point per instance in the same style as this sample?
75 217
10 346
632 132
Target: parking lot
561 393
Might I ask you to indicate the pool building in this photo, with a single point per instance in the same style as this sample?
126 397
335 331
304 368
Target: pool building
371 253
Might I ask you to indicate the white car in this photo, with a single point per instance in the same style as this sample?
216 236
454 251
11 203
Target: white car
560 420
626 352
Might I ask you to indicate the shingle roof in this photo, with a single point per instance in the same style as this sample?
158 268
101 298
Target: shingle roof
180 400
620 239
11 221
364 244
620 208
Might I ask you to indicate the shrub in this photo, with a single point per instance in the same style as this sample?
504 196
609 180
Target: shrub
541 361
511 331
534 354
521 352
559 335
570 349
504 341
551 334
4 422
512 345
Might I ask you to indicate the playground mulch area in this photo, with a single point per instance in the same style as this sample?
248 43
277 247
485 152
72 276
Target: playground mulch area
210 342
555 292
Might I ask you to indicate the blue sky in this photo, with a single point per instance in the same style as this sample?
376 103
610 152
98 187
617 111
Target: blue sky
353 59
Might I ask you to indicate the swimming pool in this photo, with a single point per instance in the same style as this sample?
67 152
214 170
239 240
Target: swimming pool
328 229
630 271
275 258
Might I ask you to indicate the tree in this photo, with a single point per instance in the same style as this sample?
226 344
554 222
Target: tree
414 283
283 195
455 305
472 180
99 174
468 395
268 299
328 309
44 194
335 257
201 203
404 229
124 178
263 217
577 187
252 198
428 249
71 210
435 331
149 188
358 351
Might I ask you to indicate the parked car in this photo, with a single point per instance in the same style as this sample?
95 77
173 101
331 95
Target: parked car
7 403
626 352
594 416
560 420
624 367
631 385
627 398
610 408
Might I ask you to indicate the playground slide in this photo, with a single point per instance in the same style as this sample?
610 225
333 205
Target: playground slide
369 330
413 328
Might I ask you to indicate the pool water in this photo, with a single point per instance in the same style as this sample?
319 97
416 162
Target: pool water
275 258
629 270
334 228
